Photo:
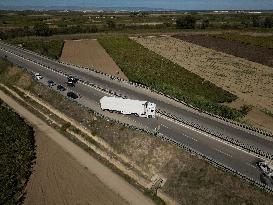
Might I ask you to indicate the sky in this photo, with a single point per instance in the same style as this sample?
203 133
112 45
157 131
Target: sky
164 4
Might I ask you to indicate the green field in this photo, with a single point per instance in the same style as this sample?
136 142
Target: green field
260 41
17 153
144 66
50 48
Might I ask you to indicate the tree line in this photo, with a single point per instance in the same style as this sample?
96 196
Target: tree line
191 22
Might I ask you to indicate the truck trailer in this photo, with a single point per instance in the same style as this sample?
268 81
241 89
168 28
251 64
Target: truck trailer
128 106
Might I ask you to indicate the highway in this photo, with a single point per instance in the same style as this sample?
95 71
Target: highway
203 134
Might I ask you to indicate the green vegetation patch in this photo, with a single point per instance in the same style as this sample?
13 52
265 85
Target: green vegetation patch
50 48
17 152
259 41
146 67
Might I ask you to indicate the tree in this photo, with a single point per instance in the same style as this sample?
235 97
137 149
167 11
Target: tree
202 24
187 22
42 29
257 22
268 22
111 24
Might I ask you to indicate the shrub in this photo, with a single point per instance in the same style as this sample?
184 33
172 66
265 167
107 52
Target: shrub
187 22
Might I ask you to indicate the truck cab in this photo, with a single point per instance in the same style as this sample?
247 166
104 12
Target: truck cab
266 167
150 109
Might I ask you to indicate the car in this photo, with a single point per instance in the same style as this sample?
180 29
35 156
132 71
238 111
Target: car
72 95
70 84
61 88
38 76
72 79
51 83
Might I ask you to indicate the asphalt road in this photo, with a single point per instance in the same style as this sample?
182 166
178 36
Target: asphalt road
220 151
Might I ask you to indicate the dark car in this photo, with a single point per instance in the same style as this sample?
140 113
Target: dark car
72 79
61 88
51 83
72 95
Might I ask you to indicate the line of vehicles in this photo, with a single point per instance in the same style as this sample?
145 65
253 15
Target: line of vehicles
112 104
71 81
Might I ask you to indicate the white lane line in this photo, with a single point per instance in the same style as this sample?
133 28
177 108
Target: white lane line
251 165
223 152
190 137
162 116
210 136
164 126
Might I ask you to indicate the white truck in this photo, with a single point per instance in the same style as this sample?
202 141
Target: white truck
128 106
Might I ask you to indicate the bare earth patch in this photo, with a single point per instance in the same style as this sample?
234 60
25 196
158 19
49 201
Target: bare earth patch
89 53
251 82
59 179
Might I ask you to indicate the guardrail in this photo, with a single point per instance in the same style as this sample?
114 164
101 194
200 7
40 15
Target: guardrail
235 142
179 120
244 126
218 164
173 117
251 128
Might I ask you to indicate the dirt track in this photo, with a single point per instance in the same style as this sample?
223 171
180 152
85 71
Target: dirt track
65 174
90 53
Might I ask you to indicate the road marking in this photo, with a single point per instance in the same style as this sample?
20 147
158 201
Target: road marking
162 116
251 165
164 126
223 152
190 137
210 136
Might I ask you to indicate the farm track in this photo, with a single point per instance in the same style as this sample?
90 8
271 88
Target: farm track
256 54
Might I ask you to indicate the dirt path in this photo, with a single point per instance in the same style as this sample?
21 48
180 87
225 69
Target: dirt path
89 53
65 174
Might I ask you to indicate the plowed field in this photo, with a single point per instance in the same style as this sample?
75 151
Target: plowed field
251 82
250 52
91 54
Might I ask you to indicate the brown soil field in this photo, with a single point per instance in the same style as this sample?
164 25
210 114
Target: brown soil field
89 53
250 81
57 178
252 53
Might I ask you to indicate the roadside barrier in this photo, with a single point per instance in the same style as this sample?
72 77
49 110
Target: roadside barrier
179 120
218 164
218 135
196 126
